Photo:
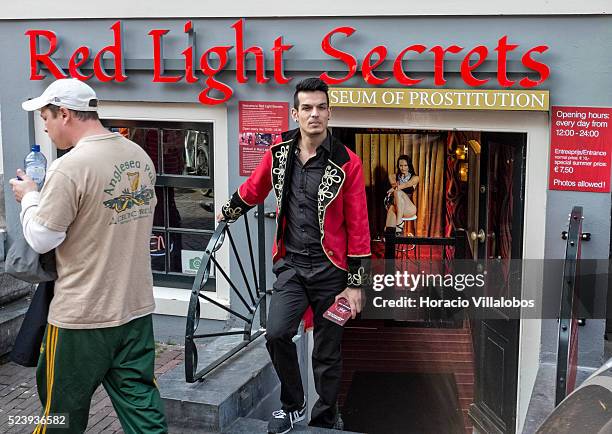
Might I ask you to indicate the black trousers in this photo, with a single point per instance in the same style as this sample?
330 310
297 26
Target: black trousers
300 282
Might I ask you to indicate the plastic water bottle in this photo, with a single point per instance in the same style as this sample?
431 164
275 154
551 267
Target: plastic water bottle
35 165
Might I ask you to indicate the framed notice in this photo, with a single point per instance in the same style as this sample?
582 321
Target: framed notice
580 149
261 124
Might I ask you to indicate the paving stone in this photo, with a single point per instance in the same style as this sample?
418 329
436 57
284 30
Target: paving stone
101 402
99 421
19 396
116 425
6 379
6 391
28 401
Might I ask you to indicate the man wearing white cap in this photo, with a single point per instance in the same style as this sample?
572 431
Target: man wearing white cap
96 209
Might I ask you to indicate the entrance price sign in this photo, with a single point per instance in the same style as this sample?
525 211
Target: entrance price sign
580 149
261 124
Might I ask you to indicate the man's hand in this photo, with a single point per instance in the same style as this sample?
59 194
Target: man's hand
355 299
220 217
22 184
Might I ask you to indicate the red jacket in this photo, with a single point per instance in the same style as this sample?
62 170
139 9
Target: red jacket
343 214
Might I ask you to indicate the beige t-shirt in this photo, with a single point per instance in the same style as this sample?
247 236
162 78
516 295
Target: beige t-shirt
102 195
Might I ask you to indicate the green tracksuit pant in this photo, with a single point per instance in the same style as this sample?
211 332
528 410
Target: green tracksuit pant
73 363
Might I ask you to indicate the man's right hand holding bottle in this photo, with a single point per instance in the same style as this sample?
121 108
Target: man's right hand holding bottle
22 184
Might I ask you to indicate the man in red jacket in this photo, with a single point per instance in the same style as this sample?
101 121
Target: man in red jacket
321 242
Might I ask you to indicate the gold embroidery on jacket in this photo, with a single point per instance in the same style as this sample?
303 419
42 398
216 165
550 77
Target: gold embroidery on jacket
278 173
331 181
231 213
356 279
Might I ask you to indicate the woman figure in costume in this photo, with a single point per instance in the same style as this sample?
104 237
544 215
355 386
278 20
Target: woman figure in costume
398 199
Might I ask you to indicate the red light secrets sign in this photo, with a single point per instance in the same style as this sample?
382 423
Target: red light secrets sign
204 65
580 149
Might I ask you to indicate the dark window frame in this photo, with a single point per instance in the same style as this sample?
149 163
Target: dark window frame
165 181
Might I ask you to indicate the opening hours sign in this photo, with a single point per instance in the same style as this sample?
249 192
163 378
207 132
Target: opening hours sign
580 148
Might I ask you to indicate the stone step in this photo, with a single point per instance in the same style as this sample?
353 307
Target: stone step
12 289
11 317
244 386
255 426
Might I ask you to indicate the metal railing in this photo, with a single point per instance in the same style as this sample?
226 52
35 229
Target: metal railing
398 246
430 255
567 347
252 297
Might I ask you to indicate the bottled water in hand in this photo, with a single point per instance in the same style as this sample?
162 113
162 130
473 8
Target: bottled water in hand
35 165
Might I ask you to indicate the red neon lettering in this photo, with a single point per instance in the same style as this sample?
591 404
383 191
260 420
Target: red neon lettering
116 51
367 69
467 68
217 92
78 58
222 53
188 53
241 52
44 58
539 67
439 53
349 60
158 58
502 50
398 69
278 50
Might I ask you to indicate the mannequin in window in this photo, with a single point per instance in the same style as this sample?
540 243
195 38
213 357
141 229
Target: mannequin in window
398 200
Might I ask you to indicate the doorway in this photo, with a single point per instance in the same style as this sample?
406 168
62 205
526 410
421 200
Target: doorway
470 181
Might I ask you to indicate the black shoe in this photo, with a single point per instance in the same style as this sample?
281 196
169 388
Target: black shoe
339 425
282 422
399 229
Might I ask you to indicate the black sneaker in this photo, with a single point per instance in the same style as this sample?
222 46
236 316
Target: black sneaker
282 422
339 425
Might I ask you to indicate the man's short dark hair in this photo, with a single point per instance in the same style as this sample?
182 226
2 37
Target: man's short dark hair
80 115
312 84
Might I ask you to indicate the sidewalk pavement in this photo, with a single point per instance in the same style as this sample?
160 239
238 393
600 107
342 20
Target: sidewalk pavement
18 395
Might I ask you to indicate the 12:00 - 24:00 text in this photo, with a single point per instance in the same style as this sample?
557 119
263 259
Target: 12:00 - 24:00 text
579 133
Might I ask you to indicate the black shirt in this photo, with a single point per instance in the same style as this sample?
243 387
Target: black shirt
302 234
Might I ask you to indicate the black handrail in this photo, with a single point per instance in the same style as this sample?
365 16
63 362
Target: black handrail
568 321
419 252
255 301
457 242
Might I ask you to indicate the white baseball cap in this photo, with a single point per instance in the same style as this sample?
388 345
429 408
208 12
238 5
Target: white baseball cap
65 92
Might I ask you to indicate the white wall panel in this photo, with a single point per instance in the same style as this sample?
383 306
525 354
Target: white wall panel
33 9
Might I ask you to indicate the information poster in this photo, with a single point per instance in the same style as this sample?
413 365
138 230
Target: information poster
261 124
580 148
